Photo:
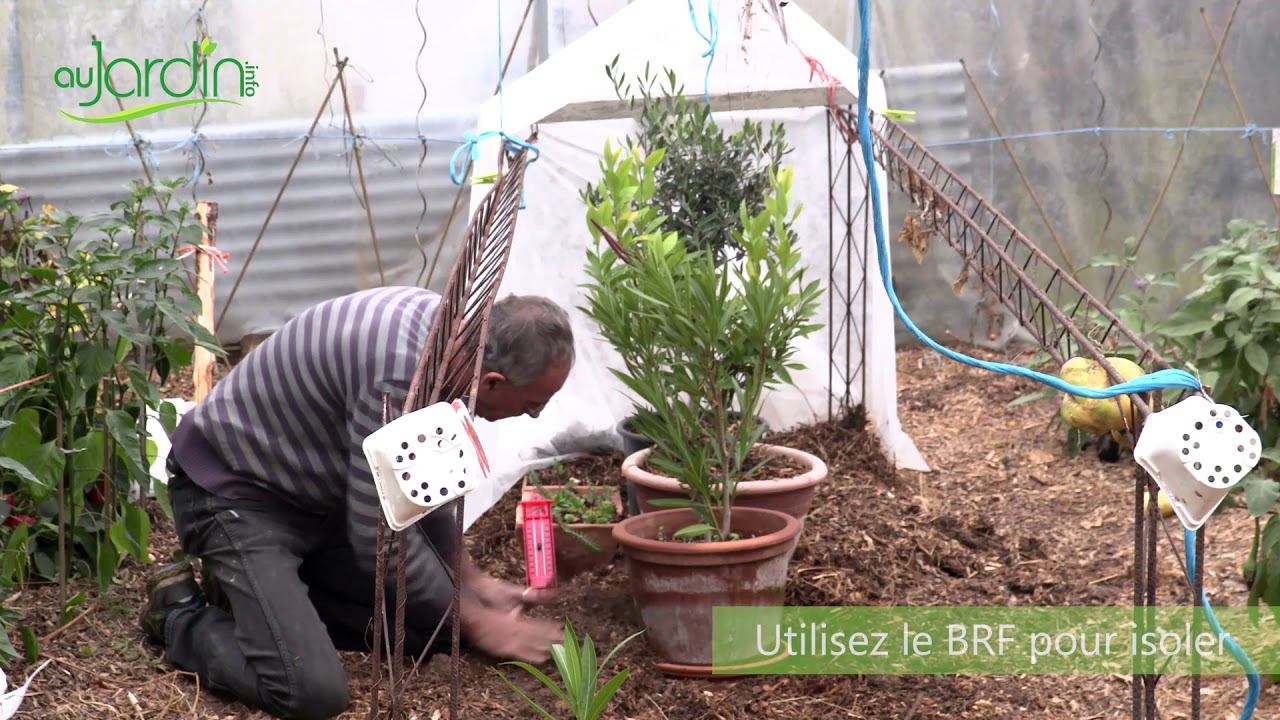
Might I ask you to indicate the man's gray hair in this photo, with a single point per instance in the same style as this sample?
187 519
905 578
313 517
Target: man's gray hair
527 333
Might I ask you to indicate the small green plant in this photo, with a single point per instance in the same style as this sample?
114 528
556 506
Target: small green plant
570 507
578 670
1227 332
594 507
700 342
95 313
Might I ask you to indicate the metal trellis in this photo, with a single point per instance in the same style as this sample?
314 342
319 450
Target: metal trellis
1065 319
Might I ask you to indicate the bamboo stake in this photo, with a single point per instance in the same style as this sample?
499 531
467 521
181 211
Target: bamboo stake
1026 182
202 359
1117 277
350 123
1244 117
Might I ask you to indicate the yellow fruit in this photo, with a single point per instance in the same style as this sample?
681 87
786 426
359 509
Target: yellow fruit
1162 500
1097 416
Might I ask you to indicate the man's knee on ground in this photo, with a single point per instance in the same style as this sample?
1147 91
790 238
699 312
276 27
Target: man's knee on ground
320 693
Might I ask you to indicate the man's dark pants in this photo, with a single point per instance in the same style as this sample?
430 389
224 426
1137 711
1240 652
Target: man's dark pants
297 597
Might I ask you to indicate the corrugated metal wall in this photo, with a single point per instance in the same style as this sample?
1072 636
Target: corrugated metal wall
317 245
938 94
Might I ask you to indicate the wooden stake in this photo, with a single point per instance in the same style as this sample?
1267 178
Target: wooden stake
202 359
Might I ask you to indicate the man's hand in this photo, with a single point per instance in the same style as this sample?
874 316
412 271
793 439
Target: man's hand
500 595
505 596
509 635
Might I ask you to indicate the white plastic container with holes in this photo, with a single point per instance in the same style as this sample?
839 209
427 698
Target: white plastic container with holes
423 460
1197 451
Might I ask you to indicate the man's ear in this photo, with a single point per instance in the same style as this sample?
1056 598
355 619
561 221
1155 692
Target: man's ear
490 380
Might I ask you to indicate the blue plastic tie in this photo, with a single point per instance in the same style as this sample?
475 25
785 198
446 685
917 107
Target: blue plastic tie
471 143
1152 381
711 39
1255 682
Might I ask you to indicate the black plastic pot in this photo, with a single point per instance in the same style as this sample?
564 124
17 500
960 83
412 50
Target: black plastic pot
633 442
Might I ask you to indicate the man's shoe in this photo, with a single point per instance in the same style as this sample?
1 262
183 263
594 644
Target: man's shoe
172 587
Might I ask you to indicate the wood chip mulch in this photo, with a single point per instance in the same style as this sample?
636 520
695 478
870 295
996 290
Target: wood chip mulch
1006 517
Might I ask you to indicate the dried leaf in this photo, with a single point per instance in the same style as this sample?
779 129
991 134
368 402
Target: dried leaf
961 280
916 237
1038 456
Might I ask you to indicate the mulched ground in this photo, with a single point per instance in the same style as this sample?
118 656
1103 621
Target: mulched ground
1005 518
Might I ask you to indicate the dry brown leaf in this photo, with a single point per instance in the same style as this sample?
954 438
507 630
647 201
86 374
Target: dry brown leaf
1039 456
916 237
961 280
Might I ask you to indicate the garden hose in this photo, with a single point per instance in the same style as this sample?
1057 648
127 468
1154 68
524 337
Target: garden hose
1255 681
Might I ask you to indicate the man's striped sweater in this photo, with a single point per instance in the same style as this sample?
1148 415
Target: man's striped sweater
288 422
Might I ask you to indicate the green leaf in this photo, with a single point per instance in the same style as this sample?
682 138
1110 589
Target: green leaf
131 532
107 562
7 652
87 460
1212 347
695 530
168 417
1187 328
30 644
1031 397
127 438
92 362
1260 494
72 603
537 708
673 502
138 525
1256 356
13 568
161 491
1241 298
606 694
27 476
542 677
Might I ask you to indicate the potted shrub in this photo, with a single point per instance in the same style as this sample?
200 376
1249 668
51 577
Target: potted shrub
685 325
705 177
584 517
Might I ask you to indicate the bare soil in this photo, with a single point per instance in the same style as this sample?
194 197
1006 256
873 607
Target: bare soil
1005 517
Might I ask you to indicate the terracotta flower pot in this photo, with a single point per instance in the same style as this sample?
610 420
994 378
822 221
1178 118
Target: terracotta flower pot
573 556
792 495
633 442
676 584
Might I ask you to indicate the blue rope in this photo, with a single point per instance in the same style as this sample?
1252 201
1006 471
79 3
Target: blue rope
1147 383
711 39
1255 682
471 144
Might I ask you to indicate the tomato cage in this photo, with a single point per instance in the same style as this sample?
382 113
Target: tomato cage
1063 318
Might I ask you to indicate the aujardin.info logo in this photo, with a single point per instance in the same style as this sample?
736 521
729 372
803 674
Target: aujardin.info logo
156 77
